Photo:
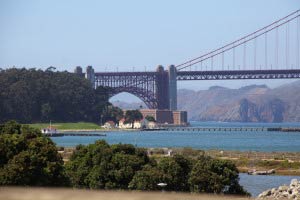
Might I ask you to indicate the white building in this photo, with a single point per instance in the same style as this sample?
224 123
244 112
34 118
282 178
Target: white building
138 124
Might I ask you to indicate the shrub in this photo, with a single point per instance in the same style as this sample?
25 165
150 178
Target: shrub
29 158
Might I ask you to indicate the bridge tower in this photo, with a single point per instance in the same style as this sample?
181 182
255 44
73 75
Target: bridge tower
162 88
172 73
90 75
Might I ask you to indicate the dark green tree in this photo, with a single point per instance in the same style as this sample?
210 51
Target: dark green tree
112 113
147 179
103 166
150 118
132 115
29 158
30 95
215 176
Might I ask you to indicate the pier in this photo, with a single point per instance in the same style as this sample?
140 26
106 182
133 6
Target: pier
256 129
249 129
74 134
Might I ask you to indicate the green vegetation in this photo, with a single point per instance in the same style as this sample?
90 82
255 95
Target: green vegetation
123 166
67 126
29 158
100 165
112 113
132 115
30 96
268 164
150 118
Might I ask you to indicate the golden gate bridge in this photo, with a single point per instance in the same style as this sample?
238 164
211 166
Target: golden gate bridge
271 52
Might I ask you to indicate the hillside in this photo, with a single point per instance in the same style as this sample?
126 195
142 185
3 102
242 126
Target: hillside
254 103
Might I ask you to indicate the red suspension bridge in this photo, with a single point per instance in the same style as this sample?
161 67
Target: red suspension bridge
271 52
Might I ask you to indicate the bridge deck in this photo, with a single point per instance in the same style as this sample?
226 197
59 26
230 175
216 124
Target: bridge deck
238 74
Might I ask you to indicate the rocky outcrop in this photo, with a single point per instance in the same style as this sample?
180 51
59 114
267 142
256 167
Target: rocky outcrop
283 192
269 111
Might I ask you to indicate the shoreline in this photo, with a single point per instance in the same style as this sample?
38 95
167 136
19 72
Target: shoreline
96 130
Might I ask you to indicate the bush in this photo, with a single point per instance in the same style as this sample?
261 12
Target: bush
123 166
215 176
103 166
28 158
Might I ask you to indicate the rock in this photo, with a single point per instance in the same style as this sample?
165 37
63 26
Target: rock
273 190
283 188
294 183
283 192
265 193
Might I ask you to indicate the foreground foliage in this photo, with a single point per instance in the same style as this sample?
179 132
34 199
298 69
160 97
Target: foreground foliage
28 158
122 166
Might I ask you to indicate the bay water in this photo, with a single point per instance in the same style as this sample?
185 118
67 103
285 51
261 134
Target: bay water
266 141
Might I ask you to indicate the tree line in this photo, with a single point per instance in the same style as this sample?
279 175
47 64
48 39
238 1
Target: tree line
30 95
27 158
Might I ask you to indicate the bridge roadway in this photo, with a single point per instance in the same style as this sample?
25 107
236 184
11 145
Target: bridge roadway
238 74
203 75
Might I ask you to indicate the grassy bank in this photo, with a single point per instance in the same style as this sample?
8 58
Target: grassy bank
68 126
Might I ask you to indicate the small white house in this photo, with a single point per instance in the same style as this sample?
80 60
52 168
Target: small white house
144 123
123 125
109 125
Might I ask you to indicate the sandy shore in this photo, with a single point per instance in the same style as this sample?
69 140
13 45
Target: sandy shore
11 193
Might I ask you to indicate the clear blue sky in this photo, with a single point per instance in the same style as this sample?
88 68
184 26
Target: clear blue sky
127 34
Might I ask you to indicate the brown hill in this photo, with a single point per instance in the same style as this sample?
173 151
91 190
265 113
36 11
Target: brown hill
254 103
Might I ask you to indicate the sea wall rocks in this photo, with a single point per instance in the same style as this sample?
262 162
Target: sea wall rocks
282 192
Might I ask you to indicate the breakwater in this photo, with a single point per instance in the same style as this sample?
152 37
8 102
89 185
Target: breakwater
247 129
73 134
216 129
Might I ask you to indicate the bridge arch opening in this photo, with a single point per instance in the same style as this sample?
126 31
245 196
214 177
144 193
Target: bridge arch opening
126 100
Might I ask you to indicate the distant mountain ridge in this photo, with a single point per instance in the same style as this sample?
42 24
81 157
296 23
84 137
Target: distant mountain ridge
253 103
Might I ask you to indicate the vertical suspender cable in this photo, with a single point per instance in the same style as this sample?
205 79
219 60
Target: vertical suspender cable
222 60
233 57
244 57
212 63
266 50
254 53
276 50
298 35
287 46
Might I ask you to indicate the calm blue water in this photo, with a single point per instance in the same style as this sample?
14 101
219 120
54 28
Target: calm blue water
236 140
257 184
